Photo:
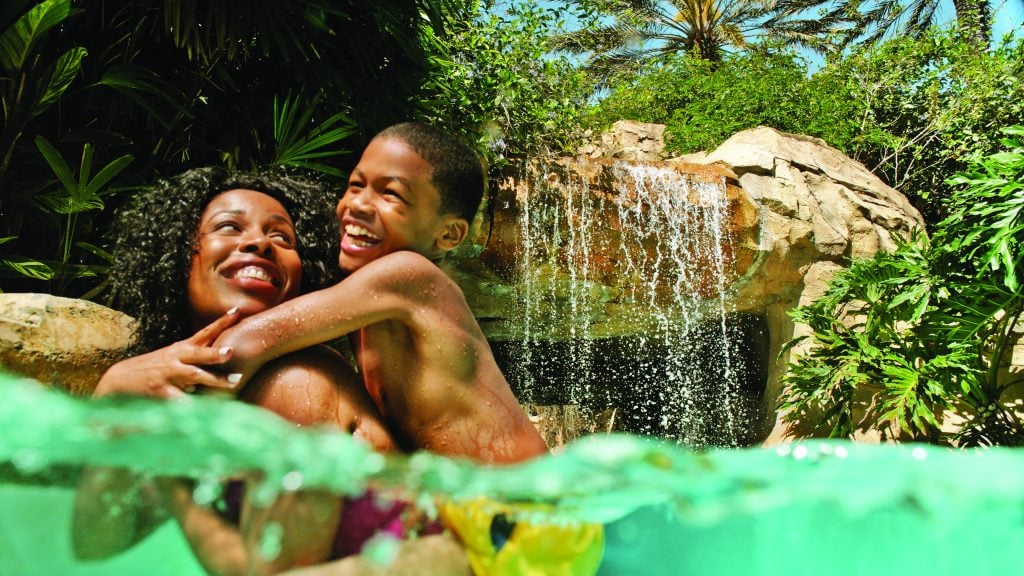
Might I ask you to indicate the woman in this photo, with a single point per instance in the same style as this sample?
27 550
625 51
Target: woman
192 255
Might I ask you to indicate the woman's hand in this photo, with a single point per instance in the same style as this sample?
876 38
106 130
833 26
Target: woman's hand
172 370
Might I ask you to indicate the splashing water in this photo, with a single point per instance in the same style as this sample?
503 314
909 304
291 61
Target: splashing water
792 510
662 237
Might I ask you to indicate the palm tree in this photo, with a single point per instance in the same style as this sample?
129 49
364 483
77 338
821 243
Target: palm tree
831 25
642 30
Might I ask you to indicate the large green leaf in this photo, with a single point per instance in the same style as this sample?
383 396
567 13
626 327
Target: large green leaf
16 42
57 79
57 163
144 87
27 267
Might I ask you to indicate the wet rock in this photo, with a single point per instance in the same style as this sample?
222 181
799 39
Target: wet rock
65 342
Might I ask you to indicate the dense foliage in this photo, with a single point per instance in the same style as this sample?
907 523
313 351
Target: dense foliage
900 338
493 76
628 33
929 105
836 24
703 103
127 91
102 97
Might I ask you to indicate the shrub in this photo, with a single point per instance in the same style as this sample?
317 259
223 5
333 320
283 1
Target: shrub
928 325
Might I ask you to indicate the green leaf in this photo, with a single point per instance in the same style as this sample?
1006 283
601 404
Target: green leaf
143 87
297 145
97 251
63 203
29 268
106 174
58 78
57 163
16 42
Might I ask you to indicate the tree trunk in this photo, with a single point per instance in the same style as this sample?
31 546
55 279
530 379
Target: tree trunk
974 19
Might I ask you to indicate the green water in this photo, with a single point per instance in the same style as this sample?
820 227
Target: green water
813 508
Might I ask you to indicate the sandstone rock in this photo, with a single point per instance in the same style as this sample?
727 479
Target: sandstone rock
64 342
629 140
821 209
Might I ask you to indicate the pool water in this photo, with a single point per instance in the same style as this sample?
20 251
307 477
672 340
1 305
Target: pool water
810 508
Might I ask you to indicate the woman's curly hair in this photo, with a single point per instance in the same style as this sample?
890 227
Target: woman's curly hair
155 237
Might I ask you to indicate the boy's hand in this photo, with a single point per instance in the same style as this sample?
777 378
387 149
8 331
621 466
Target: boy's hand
173 370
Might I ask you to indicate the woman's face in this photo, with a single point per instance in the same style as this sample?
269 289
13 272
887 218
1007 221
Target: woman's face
245 256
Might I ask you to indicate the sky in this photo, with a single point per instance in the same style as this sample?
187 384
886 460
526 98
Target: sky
1009 16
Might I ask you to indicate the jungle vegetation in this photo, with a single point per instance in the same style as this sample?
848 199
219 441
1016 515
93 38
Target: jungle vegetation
99 98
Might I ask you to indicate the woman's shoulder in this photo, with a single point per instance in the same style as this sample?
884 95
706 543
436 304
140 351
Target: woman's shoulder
303 386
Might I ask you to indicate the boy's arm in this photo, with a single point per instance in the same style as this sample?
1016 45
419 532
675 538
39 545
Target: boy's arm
388 288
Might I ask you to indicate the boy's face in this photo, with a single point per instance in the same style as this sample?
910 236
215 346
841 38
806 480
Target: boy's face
390 204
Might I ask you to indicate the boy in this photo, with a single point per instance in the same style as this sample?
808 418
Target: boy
423 358
422 355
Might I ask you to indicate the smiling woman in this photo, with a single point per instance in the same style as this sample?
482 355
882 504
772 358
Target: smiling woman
158 233
193 255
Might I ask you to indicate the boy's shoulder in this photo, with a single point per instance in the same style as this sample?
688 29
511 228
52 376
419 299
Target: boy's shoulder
402 272
404 262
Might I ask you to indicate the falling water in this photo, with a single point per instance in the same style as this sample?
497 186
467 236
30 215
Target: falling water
651 251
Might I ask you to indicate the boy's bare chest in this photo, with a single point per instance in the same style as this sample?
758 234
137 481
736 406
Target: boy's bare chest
407 378
389 364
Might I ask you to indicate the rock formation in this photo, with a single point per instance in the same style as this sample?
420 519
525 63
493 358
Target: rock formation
798 210
65 342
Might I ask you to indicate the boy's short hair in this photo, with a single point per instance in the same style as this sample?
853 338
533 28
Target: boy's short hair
458 172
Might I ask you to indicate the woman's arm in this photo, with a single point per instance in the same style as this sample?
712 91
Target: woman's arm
296 530
312 387
116 508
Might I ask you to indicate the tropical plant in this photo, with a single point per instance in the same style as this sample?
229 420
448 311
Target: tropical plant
832 25
31 82
179 84
900 338
632 32
702 104
299 146
493 78
926 106
75 197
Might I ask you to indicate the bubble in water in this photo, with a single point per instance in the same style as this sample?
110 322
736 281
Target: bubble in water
382 549
206 491
29 461
292 481
270 540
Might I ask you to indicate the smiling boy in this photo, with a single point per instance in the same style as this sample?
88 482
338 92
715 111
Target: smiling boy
421 353
423 357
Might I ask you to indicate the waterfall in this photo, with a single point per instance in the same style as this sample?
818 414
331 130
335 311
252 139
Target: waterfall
645 246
